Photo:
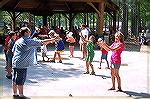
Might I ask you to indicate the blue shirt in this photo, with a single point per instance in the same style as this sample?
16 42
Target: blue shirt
23 51
59 46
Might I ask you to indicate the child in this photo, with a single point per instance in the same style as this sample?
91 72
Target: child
117 47
59 46
9 54
71 41
44 51
23 57
103 55
90 53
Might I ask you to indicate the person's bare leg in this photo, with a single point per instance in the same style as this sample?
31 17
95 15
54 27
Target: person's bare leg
81 49
59 57
118 78
72 50
14 86
9 69
47 57
84 52
113 79
100 64
54 55
92 73
87 68
43 59
20 88
107 64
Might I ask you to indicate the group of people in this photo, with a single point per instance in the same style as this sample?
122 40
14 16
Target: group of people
20 55
87 48
22 52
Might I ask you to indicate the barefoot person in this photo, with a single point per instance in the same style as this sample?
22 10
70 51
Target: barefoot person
90 53
59 46
117 47
103 55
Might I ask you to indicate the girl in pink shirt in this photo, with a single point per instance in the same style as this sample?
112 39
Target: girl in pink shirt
117 47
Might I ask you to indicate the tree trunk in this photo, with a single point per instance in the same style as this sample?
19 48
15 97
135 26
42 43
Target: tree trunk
124 28
135 21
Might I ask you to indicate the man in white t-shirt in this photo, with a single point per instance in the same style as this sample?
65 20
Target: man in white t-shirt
85 34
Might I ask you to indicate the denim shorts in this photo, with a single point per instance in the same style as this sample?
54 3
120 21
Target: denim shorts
9 58
19 76
104 56
115 66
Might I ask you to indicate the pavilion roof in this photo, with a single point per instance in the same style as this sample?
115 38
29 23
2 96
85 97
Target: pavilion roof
48 7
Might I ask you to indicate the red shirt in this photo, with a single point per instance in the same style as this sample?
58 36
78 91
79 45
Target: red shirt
104 51
6 42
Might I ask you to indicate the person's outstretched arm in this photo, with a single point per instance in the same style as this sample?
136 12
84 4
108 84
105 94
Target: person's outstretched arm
109 48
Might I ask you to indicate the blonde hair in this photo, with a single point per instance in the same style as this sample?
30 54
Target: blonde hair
121 36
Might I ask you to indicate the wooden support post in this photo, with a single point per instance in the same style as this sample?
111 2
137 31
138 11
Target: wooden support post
93 20
44 20
13 21
100 12
59 23
114 21
101 18
66 23
70 21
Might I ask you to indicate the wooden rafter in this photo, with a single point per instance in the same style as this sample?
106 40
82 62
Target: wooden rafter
94 7
3 2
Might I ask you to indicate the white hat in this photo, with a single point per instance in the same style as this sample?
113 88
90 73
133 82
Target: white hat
100 39
51 32
69 34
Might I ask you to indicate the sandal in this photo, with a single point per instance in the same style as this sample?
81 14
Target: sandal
92 73
111 89
52 61
86 72
119 90
60 61
107 68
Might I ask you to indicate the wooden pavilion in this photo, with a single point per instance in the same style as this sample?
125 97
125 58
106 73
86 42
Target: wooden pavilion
49 7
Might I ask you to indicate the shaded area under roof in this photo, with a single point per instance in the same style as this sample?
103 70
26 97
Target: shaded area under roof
48 7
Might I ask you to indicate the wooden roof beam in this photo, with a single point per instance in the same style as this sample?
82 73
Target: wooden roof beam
3 2
112 6
68 7
79 0
94 7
